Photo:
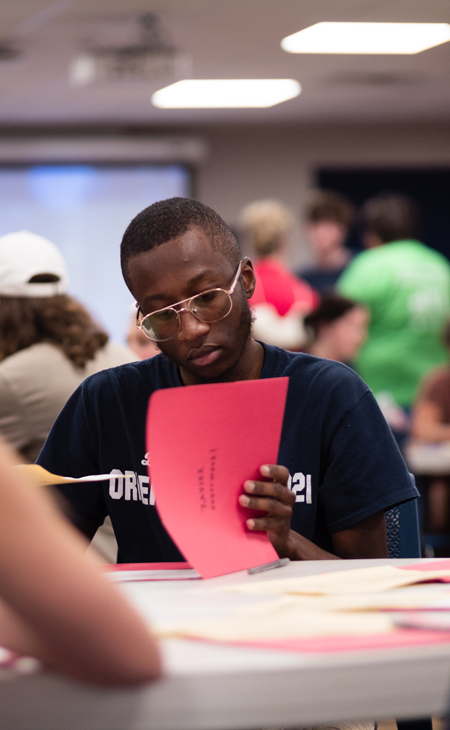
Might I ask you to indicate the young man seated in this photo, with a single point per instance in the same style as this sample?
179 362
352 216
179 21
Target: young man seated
338 467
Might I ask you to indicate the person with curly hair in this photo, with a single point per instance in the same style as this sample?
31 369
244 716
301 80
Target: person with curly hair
49 342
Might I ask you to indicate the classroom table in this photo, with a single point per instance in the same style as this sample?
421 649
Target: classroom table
215 687
426 458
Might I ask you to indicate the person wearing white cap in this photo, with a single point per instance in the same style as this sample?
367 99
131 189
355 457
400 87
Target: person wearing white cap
31 266
48 341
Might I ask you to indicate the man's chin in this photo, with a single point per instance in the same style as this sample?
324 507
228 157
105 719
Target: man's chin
217 372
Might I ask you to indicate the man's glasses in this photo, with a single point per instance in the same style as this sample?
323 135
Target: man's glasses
209 306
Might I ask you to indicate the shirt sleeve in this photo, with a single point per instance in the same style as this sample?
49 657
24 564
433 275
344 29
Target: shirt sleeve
366 472
71 450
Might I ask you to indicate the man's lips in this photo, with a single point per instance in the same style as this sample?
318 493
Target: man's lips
206 355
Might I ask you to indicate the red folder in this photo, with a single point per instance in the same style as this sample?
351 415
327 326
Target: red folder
204 441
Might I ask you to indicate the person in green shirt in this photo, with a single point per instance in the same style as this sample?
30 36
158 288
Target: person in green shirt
406 287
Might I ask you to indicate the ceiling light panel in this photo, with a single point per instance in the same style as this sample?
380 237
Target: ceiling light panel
365 38
225 93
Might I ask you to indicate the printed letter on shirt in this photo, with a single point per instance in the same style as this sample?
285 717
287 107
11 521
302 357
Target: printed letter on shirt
116 485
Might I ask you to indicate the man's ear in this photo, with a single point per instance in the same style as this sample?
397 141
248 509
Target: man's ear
248 276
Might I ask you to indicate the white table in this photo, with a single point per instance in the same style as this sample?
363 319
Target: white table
428 458
210 687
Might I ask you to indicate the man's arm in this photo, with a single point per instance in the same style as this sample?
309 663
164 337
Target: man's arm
54 604
365 539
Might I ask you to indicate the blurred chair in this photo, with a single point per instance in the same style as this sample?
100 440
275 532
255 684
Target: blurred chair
403 534
437 543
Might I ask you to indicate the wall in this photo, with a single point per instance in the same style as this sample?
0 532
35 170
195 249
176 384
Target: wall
235 165
244 163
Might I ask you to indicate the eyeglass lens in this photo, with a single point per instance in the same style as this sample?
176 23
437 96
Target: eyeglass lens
210 306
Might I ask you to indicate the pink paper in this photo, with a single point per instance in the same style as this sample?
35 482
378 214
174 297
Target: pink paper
368 642
425 566
146 566
204 441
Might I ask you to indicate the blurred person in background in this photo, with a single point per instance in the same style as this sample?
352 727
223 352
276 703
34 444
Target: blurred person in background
406 287
280 300
328 217
54 604
430 421
138 342
49 343
337 328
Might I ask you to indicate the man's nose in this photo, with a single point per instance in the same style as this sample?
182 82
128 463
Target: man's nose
190 327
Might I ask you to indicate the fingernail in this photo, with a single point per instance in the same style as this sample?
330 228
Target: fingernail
244 500
250 524
249 486
265 470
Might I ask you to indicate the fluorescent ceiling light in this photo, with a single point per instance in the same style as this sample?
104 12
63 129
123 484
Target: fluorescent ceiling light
400 38
225 93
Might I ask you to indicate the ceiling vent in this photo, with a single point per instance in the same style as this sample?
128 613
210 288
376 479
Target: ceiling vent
151 58
375 79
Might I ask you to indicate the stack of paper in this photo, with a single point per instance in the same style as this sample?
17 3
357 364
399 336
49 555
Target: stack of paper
349 604
362 580
289 622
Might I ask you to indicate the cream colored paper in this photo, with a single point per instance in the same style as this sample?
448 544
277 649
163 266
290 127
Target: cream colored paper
43 478
408 598
360 580
290 616
291 623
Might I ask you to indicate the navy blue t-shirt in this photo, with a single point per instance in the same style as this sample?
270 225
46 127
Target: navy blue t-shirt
343 461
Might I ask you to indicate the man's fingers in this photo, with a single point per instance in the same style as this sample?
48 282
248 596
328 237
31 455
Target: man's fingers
276 472
266 504
270 489
275 499
268 524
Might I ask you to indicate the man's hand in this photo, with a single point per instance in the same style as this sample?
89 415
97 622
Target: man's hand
365 539
275 499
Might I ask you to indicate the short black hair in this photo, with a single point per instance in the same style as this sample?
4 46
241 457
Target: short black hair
391 217
331 307
168 219
328 206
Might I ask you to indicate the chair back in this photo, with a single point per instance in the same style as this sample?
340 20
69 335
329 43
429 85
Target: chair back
403 534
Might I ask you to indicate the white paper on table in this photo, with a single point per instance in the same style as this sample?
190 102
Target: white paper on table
129 576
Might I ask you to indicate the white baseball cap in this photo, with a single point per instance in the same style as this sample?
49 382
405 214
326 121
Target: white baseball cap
24 255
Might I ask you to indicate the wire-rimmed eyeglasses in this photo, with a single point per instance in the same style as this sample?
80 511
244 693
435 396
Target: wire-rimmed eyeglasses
208 306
